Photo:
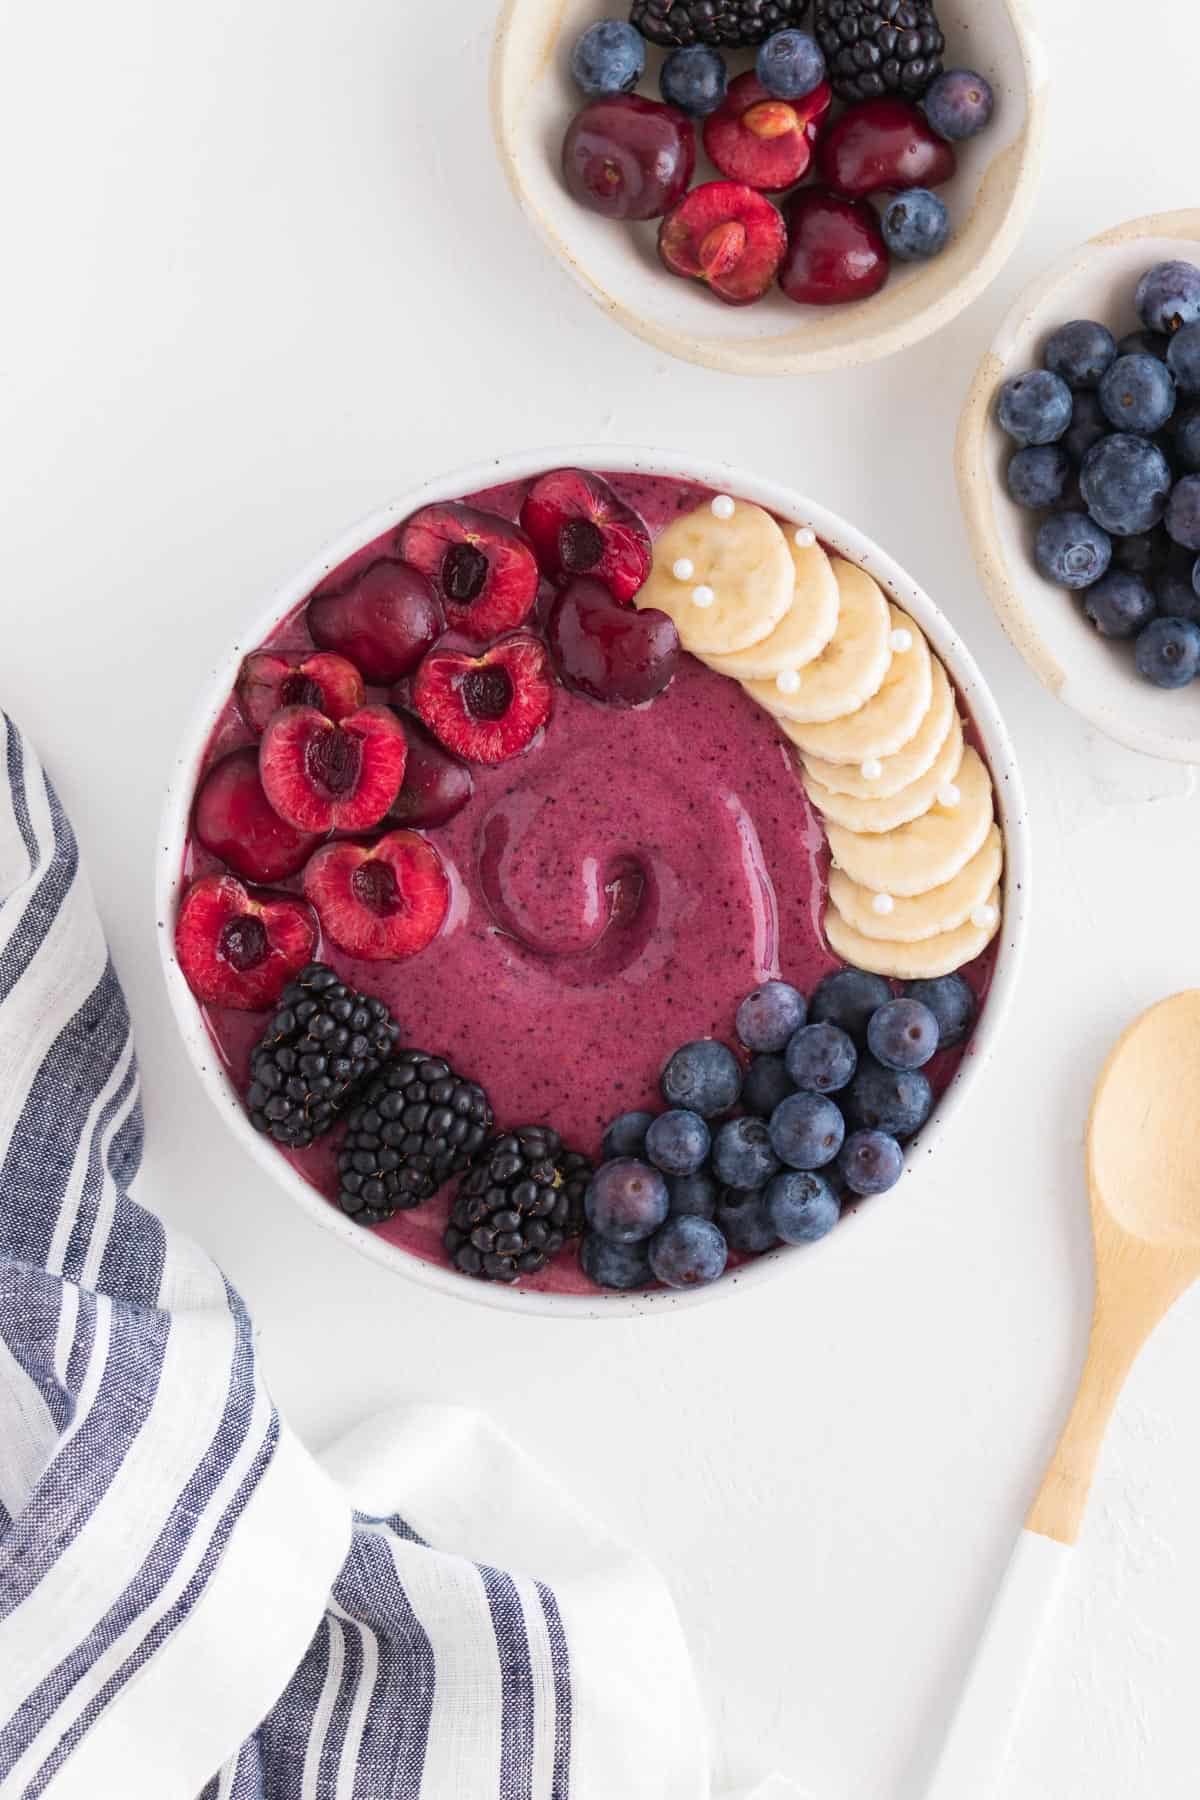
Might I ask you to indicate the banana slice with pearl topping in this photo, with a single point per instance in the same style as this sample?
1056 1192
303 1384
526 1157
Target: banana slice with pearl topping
928 851
851 668
891 718
898 809
805 628
885 776
933 956
725 578
921 916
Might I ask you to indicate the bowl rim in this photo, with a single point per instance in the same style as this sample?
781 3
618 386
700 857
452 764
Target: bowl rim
765 357
978 489
776 497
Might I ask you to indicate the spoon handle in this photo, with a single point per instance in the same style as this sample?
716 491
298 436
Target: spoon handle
977 1744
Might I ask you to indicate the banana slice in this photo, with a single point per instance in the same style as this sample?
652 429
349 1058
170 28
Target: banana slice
891 718
740 566
928 851
804 630
852 666
907 765
921 916
854 814
939 955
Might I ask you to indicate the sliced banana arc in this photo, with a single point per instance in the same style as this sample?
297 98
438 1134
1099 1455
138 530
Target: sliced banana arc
891 718
854 814
930 850
940 955
804 630
921 916
851 668
726 581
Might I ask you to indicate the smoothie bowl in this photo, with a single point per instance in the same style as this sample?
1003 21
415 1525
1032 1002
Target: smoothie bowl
589 877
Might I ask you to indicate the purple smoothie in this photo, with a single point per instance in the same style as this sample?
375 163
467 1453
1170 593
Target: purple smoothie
616 890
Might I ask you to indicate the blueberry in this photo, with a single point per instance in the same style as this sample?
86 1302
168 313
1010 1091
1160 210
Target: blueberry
746 1223
1183 359
677 1142
609 58
1125 482
704 1076
626 1136
1119 604
950 1001
1168 296
1168 652
897 1101
1072 550
871 1162
614 1265
742 1156
916 225
688 1252
903 1035
1080 352
1035 408
626 1201
801 1206
807 1131
1183 512
767 1017
694 79
790 64
1137 394
1144 554
1088 424
1148 343
693 1194
765 1083
847 998
958 104
1186 433
1038 475
821 1058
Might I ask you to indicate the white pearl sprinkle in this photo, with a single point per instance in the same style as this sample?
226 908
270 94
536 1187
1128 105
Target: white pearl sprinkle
883 904
702 596
872 769
684 569
788 681
723 507
984 917
949 796
901 641
804 539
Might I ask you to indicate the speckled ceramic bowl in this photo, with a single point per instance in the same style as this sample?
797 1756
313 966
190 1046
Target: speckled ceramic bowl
533 99
840 535
1095 677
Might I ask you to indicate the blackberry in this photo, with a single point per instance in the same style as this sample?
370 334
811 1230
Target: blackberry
727 24
518 1205
875 47
416 1125
323 1041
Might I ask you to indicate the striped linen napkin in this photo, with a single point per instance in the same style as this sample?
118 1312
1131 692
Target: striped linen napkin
183 1588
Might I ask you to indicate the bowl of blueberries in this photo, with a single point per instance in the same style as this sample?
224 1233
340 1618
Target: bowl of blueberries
1079 473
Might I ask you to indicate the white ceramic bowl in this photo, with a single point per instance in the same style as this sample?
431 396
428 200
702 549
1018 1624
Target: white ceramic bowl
846 539
1095 677
533 99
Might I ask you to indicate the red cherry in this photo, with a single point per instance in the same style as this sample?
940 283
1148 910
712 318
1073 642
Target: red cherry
234 819
383 622
490 707
882 147
384 902
761 141
727 236
240 949
436 785
835 250
609 651
266 683
325 776
629 158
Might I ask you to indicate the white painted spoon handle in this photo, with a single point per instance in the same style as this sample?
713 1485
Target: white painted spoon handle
989 1709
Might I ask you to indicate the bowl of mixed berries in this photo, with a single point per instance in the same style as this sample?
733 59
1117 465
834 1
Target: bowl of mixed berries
593 880
773 184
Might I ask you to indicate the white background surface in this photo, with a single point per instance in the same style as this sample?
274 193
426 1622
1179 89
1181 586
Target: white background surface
261 273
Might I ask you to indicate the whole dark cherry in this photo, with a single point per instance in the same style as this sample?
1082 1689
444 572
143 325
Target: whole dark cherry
835 249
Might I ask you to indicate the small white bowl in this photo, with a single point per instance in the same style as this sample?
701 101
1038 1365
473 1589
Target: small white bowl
850 543
534 98
1046 623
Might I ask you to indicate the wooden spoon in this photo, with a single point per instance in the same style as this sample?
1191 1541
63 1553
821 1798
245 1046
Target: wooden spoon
1144 1179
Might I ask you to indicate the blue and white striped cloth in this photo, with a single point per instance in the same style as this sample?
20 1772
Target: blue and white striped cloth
189 1603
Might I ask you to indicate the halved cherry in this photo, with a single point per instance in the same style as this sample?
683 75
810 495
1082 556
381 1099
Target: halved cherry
728 236
382 902
266 683
323 774
234 819
240 949
480 566
383 620
579 527
762 141
486 708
